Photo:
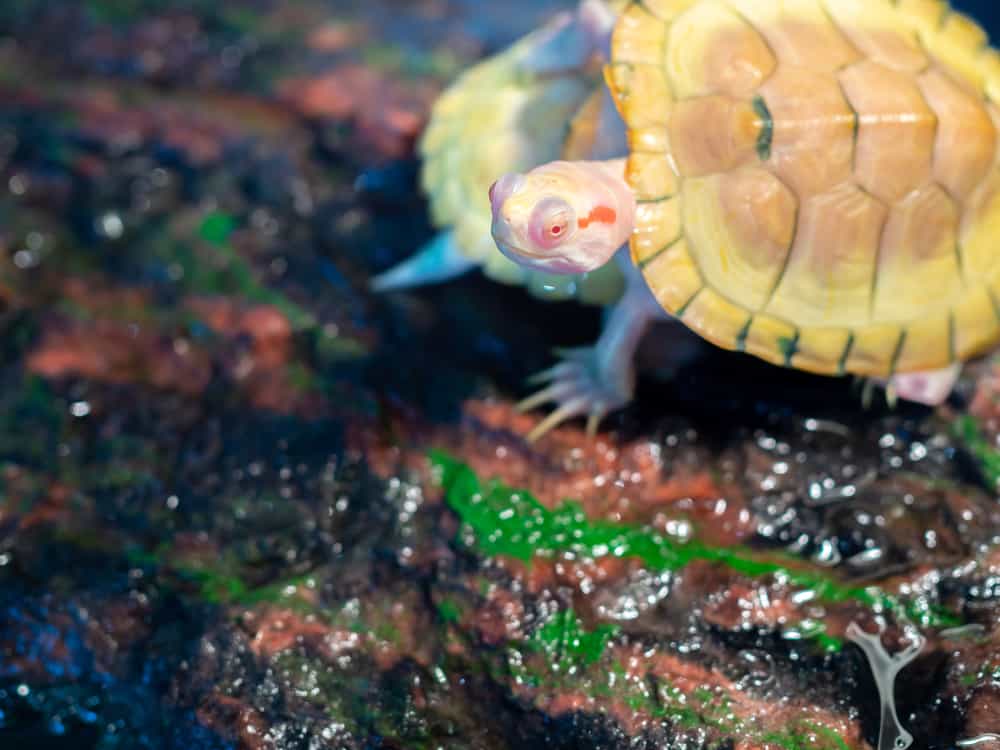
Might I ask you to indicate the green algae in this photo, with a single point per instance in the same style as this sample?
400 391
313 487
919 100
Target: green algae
988 672
512 523
230 273
206 263
567 644
704 709
566 650
233 273
807 736
216 228
33 422
448 611
968 430
221 584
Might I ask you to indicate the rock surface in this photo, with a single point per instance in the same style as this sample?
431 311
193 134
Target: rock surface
244 503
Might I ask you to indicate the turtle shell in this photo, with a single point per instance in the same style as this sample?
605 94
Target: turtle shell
499 117
817 180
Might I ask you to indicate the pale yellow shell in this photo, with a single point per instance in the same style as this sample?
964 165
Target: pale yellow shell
499 118
818 180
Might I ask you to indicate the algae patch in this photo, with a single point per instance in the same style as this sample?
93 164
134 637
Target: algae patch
568 645
510 522
236 274
968 430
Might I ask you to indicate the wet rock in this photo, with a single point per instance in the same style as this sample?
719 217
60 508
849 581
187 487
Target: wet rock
386 117
219 523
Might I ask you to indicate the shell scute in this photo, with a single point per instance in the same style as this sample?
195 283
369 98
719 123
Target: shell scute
831 269
896 130
918 252
990 64
816 348
966 143
800 33
642 94
730 142
812 144
673 276
718 319
979 230
639 37
926 338
657 227
648 140
873 27
668 10
958 45
651 177
922 16
711 50
875 349
976 326
771 339
748 217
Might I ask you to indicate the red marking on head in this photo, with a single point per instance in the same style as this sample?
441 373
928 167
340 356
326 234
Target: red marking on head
601 214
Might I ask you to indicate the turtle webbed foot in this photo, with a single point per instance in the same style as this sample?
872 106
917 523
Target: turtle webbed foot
580 386
928 387
931 387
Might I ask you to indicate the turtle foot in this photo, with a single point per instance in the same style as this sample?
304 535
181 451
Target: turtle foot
930 387
579 387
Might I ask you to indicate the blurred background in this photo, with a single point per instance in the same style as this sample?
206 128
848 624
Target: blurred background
217 526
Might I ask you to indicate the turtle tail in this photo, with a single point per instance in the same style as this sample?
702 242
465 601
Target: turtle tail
439 260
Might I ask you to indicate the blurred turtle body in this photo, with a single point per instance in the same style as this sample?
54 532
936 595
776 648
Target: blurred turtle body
543 98
814 182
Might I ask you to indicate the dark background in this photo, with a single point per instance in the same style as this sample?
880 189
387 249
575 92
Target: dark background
986 11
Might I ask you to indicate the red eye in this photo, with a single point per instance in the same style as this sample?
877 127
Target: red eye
551 223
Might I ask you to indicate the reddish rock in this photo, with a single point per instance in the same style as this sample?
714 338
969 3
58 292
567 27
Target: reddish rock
744 606
387 114
265 325
116 352
983 718
336 37
500 620
274 630
115 627
234 719
38 645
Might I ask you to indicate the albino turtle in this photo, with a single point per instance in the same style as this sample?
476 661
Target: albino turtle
538 100
542 98
814 182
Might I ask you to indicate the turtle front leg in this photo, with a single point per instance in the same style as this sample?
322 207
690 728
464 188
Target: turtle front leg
594 381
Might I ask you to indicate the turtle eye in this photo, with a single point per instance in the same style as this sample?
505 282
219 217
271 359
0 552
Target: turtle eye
551 222
556 229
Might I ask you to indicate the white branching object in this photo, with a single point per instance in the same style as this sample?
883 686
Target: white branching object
891 734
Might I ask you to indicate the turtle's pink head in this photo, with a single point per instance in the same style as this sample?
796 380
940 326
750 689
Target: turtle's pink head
563 217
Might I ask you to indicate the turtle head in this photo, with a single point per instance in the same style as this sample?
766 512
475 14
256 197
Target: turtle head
563 217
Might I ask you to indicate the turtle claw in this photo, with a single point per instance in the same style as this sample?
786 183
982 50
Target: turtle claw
579 388
552 393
